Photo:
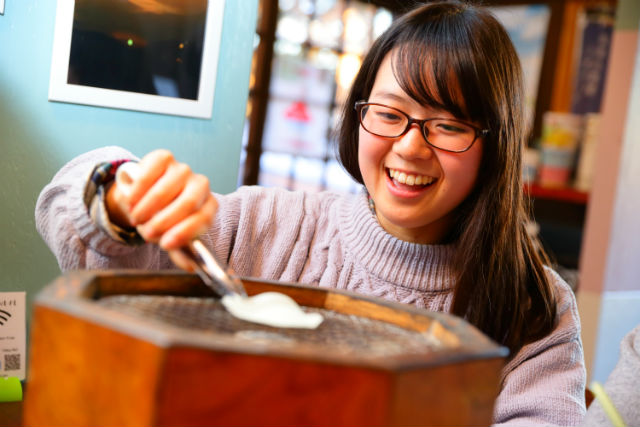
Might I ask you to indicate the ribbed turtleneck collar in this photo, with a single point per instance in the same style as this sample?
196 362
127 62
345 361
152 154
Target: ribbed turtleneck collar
411 265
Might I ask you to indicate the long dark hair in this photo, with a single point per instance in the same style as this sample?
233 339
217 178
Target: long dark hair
458 57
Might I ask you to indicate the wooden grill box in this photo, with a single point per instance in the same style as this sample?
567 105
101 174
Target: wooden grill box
94 363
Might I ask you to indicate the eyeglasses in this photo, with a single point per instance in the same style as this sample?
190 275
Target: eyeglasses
451 135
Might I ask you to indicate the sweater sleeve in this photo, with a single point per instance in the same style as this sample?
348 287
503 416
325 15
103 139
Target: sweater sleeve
63 221
544 383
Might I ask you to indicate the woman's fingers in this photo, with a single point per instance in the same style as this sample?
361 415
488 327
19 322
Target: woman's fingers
192 198
182 261
164 190
168 203
116 203
152 167
190 227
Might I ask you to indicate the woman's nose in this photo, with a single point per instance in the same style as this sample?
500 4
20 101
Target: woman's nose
412 144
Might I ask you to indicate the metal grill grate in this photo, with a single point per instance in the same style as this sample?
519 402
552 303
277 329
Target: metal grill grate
346 334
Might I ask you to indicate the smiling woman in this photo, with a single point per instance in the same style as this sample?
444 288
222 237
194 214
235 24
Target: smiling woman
439 160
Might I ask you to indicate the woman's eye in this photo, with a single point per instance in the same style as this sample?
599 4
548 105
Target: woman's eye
388 117
451 128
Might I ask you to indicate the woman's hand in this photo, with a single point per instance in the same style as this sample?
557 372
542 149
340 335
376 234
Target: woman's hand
167 203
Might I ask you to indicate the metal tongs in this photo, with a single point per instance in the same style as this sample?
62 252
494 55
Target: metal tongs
211 271
213 274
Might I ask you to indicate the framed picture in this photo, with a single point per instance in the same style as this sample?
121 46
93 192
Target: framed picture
158 56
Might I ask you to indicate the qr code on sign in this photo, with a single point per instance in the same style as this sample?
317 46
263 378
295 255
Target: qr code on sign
11 362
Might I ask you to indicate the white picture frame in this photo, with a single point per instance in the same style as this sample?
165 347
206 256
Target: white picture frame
200 106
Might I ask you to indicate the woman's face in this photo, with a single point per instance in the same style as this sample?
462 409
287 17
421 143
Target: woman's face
414 213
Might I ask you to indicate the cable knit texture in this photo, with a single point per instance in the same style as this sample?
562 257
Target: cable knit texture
328 240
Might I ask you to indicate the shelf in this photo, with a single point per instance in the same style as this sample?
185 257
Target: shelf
564 194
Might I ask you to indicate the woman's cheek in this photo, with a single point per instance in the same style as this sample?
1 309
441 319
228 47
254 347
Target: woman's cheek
371 152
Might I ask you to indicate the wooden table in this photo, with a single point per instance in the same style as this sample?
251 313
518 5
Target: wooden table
10 414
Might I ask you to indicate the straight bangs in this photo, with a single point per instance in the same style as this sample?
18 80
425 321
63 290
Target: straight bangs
434 66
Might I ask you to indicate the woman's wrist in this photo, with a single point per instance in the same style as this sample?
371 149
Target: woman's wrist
101 197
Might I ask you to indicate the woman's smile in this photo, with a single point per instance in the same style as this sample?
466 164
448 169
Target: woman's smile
408 184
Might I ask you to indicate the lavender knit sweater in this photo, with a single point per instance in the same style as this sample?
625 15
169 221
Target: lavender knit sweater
334 241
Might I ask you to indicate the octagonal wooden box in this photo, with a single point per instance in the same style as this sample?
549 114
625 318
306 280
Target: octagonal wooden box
126 348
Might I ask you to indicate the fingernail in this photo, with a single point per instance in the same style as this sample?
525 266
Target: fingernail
168 242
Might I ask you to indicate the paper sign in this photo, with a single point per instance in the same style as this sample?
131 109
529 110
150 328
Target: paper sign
12 334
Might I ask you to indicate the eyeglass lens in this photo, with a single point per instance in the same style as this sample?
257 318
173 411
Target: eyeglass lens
389 122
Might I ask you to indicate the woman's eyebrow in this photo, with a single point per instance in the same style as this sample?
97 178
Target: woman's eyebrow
389 96
383 95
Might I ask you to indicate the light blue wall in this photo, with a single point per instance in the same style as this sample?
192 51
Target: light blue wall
37 137
619 314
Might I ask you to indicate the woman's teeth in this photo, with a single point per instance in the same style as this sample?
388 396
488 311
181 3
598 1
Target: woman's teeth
410 179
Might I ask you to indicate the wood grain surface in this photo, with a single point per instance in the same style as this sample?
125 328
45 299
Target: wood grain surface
90 366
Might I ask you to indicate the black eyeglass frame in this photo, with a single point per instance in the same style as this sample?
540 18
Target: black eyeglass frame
359 105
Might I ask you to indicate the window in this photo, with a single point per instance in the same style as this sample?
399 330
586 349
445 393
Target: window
316 51
308 52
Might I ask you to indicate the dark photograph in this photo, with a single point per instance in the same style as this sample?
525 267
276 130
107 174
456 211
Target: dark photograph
145 46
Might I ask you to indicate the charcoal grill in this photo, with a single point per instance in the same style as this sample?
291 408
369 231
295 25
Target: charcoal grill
158 349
